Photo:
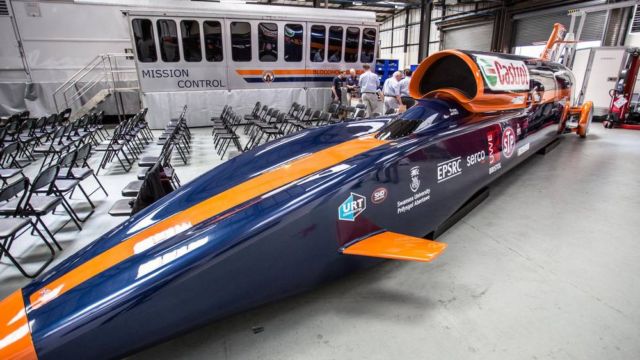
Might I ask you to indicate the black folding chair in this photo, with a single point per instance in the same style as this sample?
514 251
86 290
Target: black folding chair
13 226
80 172
46 203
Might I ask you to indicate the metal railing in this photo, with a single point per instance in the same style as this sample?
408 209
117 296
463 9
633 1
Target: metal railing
105 72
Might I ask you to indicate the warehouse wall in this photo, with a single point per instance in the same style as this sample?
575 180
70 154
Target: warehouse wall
392 33
392 37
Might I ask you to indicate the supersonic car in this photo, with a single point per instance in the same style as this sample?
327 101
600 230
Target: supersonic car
299 211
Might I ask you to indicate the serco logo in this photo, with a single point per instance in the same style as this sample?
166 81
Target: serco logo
508 141
353 206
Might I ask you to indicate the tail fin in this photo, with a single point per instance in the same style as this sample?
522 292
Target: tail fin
555 44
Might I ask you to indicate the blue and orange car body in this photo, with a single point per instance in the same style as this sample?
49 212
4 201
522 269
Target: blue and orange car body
291 214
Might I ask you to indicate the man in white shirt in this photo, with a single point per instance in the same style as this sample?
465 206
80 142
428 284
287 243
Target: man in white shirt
391 91
369 83
407 100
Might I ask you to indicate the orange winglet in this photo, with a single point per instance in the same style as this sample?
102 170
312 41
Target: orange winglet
15 334
390 245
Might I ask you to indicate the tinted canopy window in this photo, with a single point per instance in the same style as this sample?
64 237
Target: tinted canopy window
168 36
368 45
241 41
335 44
190 30
413 121
293 35
268 42
318 37
351 45
145 42
213 40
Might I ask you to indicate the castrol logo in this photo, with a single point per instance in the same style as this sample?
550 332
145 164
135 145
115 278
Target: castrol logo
503 74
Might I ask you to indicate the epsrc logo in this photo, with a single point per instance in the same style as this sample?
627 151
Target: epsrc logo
353 206
448 169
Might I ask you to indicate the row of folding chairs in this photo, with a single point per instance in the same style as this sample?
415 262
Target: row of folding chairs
176 137
264 123
126 143
178 132
132 191
224 131
66 137
24 202
30 133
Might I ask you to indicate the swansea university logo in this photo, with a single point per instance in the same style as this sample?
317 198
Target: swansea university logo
352 207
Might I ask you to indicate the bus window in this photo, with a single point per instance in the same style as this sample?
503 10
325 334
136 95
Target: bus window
368 45
145 43
351 45
168 36
293 35
335 44
212 40
191 48
318 36
268 42
240 41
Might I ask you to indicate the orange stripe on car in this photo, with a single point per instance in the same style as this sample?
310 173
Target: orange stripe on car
15 334
181 221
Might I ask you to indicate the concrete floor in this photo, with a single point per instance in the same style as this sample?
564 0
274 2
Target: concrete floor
546 268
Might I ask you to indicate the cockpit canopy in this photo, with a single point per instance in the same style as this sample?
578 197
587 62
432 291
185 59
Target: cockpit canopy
424 115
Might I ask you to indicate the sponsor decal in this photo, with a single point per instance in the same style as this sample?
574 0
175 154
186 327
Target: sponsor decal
353 206
453 112
503 74
523 149
494 148
508 142
379 195
493 142
268 77
414 200
449 169
415 178
476 158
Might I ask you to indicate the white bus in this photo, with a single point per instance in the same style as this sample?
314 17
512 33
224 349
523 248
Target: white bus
201 54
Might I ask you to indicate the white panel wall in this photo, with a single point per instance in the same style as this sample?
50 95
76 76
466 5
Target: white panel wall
395 50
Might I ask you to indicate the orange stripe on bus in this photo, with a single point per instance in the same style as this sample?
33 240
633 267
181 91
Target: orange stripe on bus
15 334
257 72
179 222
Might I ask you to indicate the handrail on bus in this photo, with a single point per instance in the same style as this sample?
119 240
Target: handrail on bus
106 76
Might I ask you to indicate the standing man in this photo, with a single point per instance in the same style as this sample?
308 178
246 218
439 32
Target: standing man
407 100
391 90
369 83
352 85
336 88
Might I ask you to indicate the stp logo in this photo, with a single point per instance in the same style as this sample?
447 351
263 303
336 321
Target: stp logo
379 195
508 141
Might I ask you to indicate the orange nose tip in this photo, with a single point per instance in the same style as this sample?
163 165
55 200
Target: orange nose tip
15 334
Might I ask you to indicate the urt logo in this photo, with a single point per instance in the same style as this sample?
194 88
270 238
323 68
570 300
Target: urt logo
353 206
